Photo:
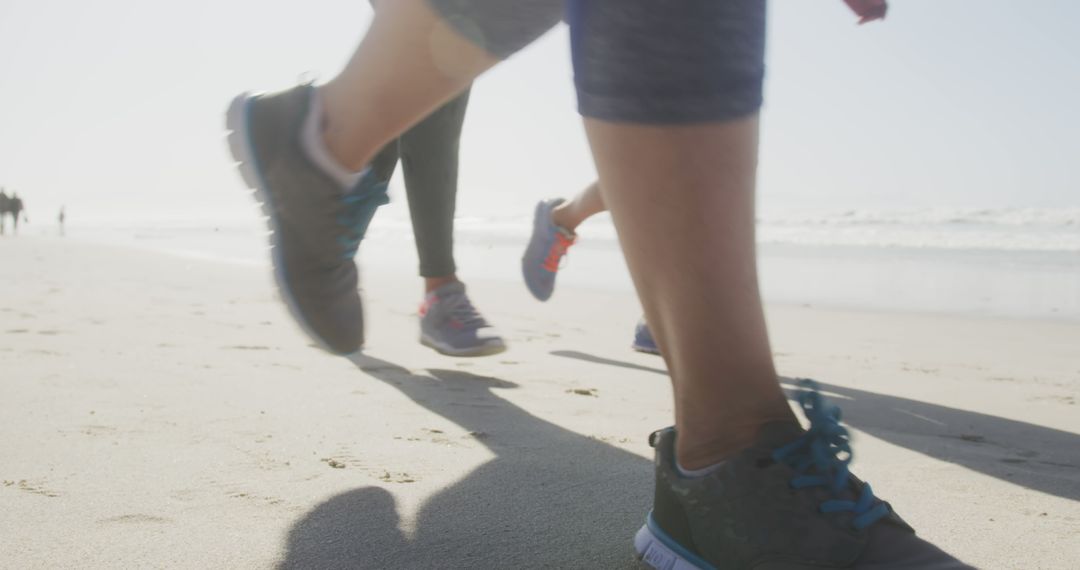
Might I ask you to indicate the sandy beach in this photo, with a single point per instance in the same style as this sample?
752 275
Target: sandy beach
163 412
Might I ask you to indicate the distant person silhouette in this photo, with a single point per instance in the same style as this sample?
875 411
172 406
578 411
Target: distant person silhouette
60 218
5 203
15 207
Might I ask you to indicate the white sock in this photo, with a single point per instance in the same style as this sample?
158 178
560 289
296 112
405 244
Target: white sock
697 473
311 141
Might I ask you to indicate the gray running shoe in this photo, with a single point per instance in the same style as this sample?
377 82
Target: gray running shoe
545 251
315 225
452 326
786 503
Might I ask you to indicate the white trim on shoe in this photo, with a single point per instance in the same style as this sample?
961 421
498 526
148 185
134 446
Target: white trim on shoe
494 346
657 553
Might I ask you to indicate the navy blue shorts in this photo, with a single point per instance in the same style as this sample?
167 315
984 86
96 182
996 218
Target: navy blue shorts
638 61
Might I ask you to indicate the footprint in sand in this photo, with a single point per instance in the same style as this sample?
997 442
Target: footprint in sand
397 477
258 498
96 430
591 392
136 518
33 487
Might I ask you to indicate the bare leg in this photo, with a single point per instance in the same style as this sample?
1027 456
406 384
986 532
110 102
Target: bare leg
433 283
682 198
570 214
685 217
685 214
368 104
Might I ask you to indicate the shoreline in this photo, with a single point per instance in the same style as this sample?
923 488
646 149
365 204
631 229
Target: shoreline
978 284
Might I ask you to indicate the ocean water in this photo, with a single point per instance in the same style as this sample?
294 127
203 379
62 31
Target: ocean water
988 262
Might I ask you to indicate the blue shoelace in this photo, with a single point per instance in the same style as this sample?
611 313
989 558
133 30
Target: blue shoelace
821 456
358 207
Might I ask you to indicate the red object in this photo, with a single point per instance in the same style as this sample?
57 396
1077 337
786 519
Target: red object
868 10
557 251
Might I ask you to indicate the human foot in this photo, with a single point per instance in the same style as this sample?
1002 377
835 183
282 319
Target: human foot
787 502
450 324
547 247
315 223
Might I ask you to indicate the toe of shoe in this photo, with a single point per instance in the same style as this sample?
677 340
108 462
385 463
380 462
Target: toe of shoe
337 327
343 344
540 285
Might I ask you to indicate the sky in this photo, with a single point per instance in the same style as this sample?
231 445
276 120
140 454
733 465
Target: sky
114 108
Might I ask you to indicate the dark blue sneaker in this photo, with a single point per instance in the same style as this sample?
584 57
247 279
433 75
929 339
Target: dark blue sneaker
786 503
643 339
315 225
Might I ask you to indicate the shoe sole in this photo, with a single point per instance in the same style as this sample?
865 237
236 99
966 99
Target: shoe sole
535 290
537 293
644 349
239 139
658 550
445 349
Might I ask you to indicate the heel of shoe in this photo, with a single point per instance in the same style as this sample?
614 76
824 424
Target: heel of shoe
662 554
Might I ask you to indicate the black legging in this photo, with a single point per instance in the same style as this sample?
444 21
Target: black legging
429 157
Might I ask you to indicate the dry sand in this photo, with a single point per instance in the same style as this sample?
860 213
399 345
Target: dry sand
159 412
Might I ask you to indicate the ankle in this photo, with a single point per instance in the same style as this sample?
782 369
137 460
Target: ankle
562 216
699 447
339 147
313 142
433 283
338 135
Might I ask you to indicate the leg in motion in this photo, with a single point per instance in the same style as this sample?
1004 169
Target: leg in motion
555 223
304 150
569 214
449 322
671 93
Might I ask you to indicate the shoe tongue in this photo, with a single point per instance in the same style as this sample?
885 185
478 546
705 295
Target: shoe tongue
450 289
777 434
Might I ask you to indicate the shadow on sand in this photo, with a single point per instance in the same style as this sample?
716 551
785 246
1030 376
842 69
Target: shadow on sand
555 499
550 498
608 361
1032 456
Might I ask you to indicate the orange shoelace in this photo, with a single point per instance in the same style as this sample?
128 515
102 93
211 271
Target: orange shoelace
557 251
